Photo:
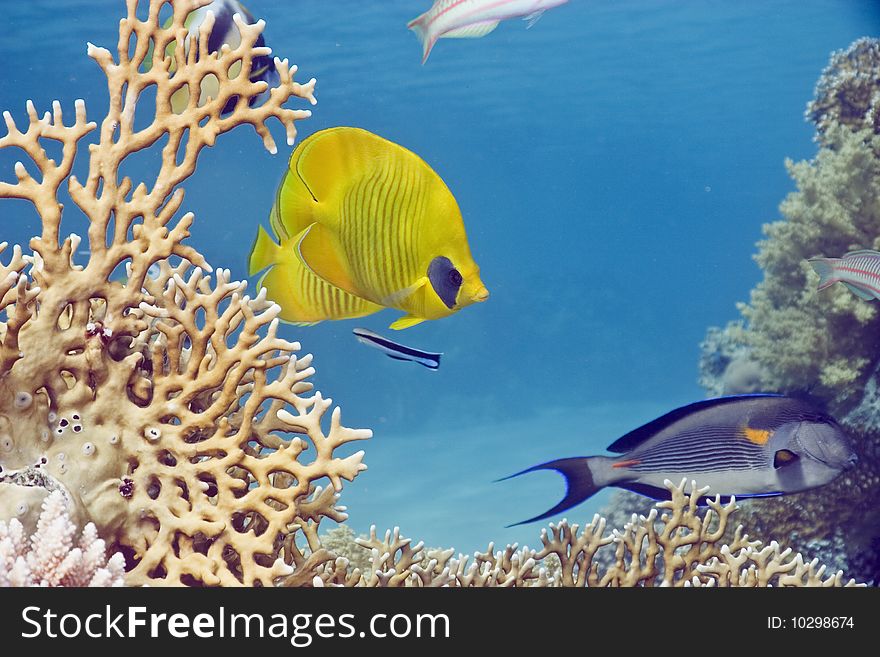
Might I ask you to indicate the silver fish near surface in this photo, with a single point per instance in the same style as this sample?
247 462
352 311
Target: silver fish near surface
758 445
396 350
858 271
470 19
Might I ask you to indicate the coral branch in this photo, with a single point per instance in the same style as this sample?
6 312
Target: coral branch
166 407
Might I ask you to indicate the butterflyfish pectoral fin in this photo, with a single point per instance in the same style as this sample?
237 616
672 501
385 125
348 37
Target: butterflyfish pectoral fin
331 155
405 322
392 300
318 248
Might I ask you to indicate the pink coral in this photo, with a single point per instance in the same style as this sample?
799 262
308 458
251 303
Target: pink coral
49 557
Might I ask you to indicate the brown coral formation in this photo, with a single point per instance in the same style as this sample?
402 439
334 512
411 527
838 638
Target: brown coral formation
824 342
847 92
675 544
165 409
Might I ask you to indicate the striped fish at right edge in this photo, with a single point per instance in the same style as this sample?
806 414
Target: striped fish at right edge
858 271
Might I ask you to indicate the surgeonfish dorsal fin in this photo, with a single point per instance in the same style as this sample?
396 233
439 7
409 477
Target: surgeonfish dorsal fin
474 31
636 437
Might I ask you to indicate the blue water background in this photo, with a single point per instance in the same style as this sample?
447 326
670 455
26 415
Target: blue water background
614 165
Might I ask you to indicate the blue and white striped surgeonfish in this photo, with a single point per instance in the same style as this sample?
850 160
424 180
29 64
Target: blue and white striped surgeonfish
747 445
396 350
859 271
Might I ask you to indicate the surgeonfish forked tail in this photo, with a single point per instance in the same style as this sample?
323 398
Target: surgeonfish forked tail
858 271
759 445
396 350
362 223
578 479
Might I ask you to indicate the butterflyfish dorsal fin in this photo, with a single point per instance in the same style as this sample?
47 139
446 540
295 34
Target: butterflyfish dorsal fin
405 322
318 248
335 154
276 224
311 189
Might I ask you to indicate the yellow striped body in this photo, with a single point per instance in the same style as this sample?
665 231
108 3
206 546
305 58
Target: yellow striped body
367 217
304 298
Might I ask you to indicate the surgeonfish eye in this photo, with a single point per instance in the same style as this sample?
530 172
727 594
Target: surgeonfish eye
445 279
783 457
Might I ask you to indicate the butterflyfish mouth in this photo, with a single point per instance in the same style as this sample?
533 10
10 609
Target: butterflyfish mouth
481 295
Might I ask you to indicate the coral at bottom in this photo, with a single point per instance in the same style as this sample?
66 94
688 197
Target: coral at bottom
52 556
677 543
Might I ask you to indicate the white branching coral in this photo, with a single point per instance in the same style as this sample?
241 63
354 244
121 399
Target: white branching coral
52 556
676 544
165 407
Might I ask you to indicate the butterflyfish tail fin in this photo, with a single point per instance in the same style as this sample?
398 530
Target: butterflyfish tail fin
578 480
825 268
420 27
264 253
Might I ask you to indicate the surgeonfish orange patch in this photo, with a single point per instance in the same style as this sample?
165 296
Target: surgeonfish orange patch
757 436
625 464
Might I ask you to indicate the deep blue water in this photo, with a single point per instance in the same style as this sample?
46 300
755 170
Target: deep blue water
614 165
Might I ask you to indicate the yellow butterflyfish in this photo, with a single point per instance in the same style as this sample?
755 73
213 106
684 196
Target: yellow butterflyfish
364 223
